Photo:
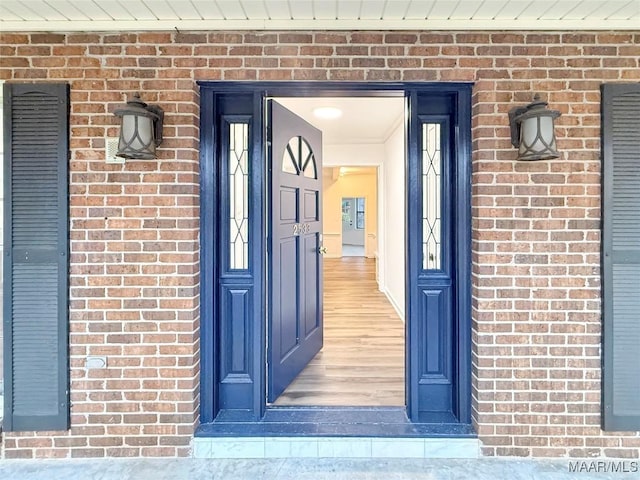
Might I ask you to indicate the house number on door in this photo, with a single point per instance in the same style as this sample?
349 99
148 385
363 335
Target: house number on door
301 228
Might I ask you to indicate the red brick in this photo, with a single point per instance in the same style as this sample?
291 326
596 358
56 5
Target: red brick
134 271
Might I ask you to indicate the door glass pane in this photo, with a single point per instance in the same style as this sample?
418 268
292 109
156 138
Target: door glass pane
239 196
431 196
307 159
298 158
291 156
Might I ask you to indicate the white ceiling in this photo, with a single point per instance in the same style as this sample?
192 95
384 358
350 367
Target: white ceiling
119 15
367 120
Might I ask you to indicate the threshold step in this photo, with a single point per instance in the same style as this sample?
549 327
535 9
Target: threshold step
334 447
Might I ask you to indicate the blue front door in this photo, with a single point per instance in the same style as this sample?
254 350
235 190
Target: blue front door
295 260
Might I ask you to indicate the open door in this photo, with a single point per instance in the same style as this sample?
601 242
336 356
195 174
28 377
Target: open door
295 261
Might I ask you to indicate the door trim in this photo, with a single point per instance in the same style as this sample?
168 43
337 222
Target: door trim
216 407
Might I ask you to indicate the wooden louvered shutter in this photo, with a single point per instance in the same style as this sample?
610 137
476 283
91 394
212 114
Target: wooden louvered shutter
621 256
36 145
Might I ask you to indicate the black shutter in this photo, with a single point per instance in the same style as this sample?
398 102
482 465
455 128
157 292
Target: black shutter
36 367
621 256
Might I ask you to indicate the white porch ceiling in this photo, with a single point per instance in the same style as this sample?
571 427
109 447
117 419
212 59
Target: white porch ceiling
130 15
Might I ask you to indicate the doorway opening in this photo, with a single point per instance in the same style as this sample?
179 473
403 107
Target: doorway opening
353 226
426 255
362 359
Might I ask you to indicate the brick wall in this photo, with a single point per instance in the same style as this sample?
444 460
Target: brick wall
134 265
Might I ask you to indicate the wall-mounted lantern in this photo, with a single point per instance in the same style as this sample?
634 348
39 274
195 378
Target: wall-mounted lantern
532 130
140 129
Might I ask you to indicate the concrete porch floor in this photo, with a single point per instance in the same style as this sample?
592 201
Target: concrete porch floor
298 469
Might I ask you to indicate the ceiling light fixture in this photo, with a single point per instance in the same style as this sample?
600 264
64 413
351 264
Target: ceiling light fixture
327 113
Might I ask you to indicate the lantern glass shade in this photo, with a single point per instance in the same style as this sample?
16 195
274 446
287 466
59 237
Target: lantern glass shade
140 129
537 139
136 137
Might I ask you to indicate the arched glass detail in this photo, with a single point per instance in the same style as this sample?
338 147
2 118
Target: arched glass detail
298 158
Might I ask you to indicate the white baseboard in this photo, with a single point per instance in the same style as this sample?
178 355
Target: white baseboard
394 304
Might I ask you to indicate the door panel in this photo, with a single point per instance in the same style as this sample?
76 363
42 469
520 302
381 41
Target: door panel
289 204
310 206
310 252
295 335
288 298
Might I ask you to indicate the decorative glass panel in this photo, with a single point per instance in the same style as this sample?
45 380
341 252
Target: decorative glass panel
239 196
298 158
431 196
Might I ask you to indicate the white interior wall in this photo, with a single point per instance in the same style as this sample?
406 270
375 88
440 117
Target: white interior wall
353 237
380 263
353 155
392 215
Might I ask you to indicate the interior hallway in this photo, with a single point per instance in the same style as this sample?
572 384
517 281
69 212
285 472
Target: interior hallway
362 362
352 250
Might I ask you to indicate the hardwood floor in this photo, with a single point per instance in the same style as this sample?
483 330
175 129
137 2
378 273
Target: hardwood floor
362 362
